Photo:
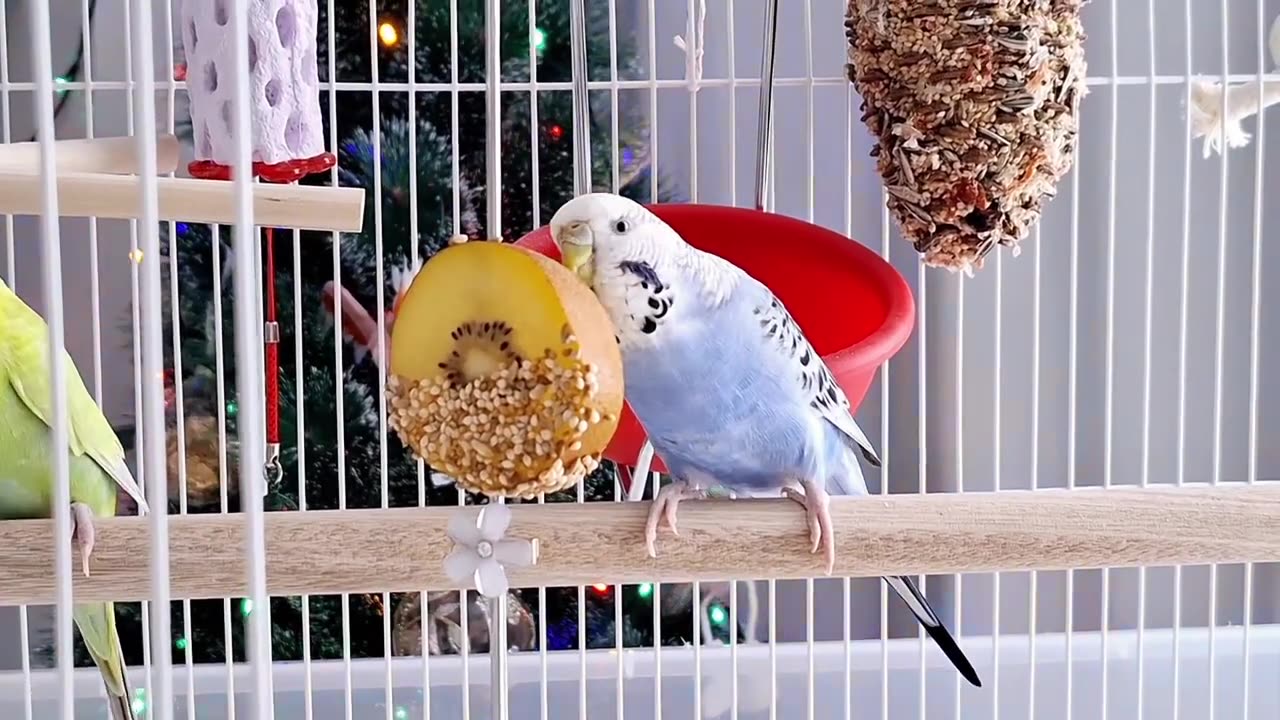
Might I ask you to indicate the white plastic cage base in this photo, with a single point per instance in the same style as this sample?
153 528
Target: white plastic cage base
1141 188
860 661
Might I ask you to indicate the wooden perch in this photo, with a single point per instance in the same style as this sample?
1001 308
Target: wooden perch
116 155
330 551
202 201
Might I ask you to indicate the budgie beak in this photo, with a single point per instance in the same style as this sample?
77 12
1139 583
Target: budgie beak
578 259
576 250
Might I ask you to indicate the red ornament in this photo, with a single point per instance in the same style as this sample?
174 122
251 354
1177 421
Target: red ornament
555 132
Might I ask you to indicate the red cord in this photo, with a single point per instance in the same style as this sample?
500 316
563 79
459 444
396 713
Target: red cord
284 172
272 348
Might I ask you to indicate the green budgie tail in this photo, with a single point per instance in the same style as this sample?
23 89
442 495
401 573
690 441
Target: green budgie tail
121 706
97 625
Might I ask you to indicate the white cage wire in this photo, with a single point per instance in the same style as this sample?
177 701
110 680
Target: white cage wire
1128 346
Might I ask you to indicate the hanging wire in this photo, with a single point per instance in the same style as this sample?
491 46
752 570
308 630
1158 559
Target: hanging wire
493 193
764 141
581 98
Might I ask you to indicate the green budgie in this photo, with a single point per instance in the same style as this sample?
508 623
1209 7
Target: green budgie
97 466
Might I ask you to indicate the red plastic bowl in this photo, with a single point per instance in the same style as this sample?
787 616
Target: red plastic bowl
854 307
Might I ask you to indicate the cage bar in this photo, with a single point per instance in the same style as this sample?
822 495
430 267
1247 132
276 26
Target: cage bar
1255 314
152 418
59 422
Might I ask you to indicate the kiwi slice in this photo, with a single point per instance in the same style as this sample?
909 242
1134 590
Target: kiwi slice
504 371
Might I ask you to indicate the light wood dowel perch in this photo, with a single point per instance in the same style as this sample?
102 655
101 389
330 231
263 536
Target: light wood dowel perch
188 199
117 155
328 552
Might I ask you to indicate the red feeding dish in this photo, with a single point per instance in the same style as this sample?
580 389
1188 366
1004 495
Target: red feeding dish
854 307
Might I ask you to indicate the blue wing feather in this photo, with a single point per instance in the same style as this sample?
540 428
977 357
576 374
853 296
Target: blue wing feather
727 408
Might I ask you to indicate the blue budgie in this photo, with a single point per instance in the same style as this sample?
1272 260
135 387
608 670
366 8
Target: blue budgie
726 385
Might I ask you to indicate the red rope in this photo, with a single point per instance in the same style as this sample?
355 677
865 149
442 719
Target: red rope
285 172
272 348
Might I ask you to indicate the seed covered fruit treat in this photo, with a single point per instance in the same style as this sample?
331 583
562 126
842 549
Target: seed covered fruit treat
505 373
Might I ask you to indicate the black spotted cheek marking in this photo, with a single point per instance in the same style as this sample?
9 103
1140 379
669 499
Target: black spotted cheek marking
644 271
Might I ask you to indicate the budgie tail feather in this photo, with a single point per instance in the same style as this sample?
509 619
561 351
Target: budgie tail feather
97 625
121 705
919 607
849 480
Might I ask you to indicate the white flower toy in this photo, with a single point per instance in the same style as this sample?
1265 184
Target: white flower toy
480 551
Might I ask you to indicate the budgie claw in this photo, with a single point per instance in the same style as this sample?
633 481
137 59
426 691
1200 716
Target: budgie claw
816 502
664 508
815 530
82 532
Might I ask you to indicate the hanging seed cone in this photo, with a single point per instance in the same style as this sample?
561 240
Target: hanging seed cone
974 104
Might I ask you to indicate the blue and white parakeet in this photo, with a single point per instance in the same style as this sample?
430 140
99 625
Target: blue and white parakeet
727 387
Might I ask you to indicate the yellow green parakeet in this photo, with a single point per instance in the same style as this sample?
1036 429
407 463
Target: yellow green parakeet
97 466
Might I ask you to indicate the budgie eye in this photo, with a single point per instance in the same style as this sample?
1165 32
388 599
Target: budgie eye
621 226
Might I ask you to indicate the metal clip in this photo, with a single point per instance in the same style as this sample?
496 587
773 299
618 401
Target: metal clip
271 332
272 471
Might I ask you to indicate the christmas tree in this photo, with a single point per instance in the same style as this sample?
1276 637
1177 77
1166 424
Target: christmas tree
334 383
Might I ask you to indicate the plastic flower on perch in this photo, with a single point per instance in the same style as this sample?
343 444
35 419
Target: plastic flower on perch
1242 100
481 552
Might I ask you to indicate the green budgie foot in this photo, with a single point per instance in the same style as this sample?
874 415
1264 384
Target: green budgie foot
816 503
82 532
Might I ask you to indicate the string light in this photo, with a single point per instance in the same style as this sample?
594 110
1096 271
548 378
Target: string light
388 34
136 256
182 228
181 643
601 588
139 703
402 712
645 590
539 39
718 615
232 408
556 132
246 607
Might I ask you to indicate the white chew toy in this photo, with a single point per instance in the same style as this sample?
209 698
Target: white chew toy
1242 100
284 99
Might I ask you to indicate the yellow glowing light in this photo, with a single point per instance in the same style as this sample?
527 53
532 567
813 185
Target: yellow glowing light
136 255
387 34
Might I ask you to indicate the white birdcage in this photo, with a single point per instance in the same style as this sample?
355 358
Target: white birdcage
1127 346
